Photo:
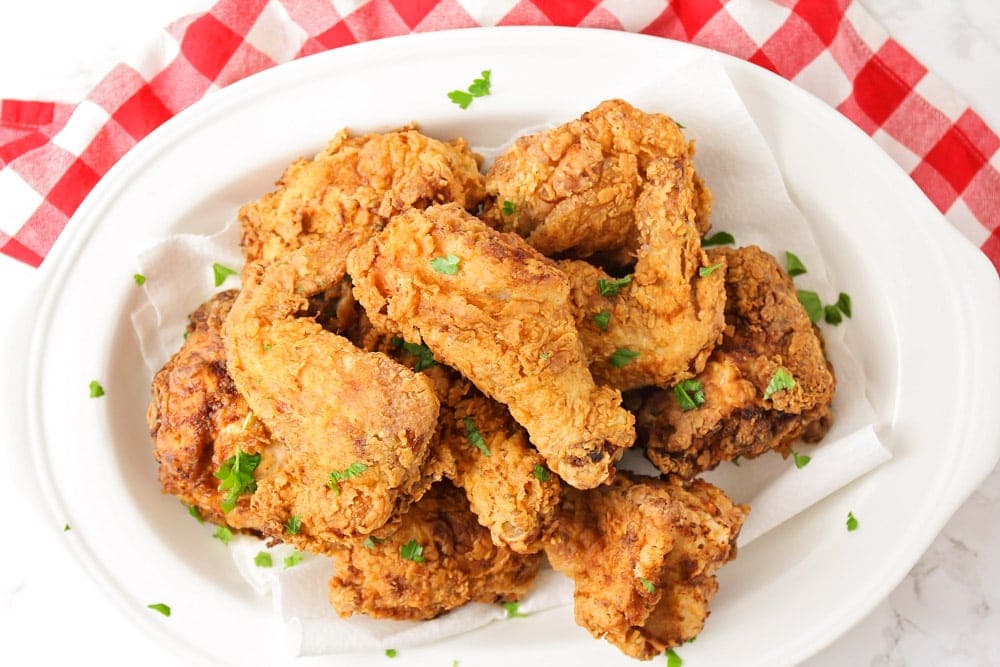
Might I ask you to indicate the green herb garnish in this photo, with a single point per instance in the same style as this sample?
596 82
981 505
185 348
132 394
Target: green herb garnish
801 460
673 660
139 278
96 390
371 542
196 513
294 525
412 551
391 653
350 472
223 534
602 319
780 381
708 270
718 238
689 394
479 88
622 357
508 207
511 608
612 287
810 301
852 523
236 475
66 528
221 273
160 607
263 559
447 265
832 314
794 264
844 303
541 473
647 585
425 358
293 559
474 436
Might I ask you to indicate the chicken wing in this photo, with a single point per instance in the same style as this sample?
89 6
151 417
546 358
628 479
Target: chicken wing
766 329
356 426
643 553
488 305
358 183
438 558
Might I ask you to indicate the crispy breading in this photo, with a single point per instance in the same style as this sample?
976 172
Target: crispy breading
766 329
643 553
456 563
358 183
503 320
339 411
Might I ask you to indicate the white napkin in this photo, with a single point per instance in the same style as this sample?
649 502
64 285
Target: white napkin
751 202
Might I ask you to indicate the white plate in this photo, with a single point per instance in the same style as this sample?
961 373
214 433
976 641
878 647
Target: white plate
927 303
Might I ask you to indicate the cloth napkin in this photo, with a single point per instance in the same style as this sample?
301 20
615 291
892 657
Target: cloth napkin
52 155
750 201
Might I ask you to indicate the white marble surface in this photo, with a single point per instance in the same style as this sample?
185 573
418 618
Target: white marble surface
946 611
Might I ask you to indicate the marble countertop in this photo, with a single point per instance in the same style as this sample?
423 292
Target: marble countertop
945 612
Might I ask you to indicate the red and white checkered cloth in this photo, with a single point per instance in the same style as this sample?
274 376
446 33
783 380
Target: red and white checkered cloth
52 155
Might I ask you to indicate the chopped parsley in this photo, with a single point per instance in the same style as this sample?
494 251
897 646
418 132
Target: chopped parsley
223 534
736 460
780 381
425 358
508 207
673 660
371 542
544 356
96 390
160 607
844 303
196 513
447 265
236 475
474 436
391 653
832 314
294 525
479 88
718 238
612 287
293 559
708 270
683 127
139 278
602 319
689 394
801 460
66 528
852 523
794 264
810 301
350 472
221 272
263 559
622 357
647 585
511 609
412 551
540 472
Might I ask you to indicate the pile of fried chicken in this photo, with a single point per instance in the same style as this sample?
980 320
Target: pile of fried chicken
430 374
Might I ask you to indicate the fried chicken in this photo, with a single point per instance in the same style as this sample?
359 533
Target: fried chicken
358 183
438 558
493 308
643 553
356 427
658 325
197 419
572 190
766 329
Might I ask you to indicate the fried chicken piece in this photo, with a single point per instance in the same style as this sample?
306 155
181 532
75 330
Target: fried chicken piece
574 188
438 558
643 553
766 329
660 324
197 419
502 318
358 183
356 427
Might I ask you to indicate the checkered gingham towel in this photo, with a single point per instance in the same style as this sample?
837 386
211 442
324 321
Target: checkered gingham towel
52 155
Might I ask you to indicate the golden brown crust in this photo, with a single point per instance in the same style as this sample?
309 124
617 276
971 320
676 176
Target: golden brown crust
643 553
767 329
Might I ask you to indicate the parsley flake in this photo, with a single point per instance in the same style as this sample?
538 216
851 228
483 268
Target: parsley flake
673 660
647 585
196 513
602 319
236 475
852 523
508 207
794 264
479 88
160 607
832 314
66 528
474 436
263 559
139 278
689 394
681 126
540 473
294 525
736 460
544 356
718 238
412 551
221 272
350 472
447 265
293 559
96 390
622 357
780 381
391 653
425 358
511 609
708 270
612 287
223 534
810 301
371 542
801 460
844 303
